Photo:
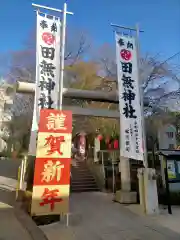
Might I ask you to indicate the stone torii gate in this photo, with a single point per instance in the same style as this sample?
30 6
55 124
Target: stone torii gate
98 96
29 88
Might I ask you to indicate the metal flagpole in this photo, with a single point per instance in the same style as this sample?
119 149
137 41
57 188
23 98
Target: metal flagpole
62 52
61 79
63 39
141 99
50 9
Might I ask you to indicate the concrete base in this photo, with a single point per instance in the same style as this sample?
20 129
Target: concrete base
126 197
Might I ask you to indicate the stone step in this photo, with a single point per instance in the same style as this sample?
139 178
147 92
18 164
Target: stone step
92 180
82 178
83 181
79 167
82 188
80 170
85 190
79 184
81 173
80 164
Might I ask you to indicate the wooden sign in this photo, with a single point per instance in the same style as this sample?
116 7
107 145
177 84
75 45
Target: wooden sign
52 167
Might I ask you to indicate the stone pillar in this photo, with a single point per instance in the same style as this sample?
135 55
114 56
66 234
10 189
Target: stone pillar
140 175
126 195
125 174
150 191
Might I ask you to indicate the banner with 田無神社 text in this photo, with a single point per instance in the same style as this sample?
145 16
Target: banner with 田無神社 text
47 69
131 138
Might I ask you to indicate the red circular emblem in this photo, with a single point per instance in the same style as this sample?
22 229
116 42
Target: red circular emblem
48 38
126 54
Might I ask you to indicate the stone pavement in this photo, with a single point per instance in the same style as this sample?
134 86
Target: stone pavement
14 223
163 219
94 216
168 220
10 227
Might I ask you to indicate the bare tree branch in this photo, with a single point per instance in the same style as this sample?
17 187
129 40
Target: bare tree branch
155 75
74 53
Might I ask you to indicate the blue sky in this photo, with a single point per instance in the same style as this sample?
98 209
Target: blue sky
160 19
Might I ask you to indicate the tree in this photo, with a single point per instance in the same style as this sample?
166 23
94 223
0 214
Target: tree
156 78
156 75
85 76
22 64
22 67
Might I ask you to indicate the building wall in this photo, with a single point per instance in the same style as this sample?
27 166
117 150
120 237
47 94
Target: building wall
6 102
167 137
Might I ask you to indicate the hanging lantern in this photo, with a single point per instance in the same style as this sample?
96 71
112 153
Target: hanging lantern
99 137
116 144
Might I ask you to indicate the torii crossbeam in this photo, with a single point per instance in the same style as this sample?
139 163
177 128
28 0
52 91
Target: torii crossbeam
98 96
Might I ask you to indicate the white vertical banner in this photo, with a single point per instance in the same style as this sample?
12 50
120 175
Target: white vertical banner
47 70
131 138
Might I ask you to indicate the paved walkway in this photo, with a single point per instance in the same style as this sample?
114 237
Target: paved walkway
96 217
10 227
164 219
14 223
168 220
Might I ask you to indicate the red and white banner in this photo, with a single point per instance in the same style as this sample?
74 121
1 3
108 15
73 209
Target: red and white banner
47 70
131 134
52 167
